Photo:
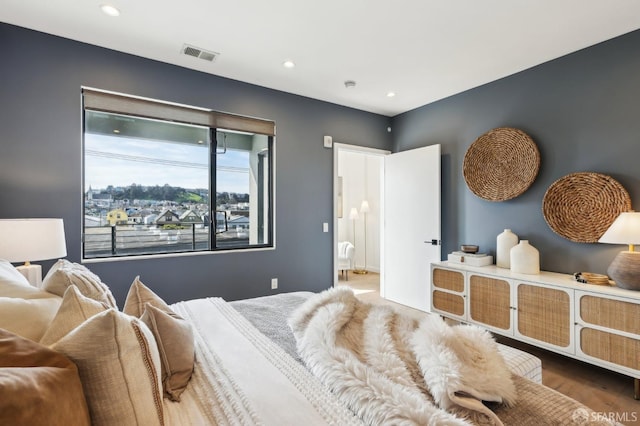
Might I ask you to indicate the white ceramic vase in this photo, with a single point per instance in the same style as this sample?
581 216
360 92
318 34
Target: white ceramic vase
525 258
505 241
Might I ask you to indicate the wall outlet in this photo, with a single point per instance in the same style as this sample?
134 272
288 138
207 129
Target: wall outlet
325 227
274 283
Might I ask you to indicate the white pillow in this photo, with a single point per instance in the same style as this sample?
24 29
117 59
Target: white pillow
24 310
64 273
8 273
119 367
28 318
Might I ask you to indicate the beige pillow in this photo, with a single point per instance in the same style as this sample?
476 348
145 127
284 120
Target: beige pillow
64 273
138 296
25 310
38 386
172 333
176 346
119 367
74 310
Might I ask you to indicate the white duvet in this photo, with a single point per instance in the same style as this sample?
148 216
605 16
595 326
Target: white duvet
243 378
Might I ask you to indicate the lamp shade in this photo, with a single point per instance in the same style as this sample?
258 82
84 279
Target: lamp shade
353 214
364 207
23 240
625 268
624 230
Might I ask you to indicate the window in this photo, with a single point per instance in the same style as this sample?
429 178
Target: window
166 178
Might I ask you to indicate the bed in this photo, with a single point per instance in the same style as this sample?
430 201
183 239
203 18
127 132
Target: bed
256 361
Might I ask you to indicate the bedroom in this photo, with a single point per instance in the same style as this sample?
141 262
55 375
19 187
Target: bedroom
580 109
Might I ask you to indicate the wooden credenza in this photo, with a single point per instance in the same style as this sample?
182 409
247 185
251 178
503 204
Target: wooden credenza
596 324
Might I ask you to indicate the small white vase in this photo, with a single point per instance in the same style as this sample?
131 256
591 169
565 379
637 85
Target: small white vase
505 241
525 258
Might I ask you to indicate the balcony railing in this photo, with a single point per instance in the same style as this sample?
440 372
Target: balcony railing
125 240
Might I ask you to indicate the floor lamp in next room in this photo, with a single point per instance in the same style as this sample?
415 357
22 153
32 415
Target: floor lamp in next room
364 209
353 216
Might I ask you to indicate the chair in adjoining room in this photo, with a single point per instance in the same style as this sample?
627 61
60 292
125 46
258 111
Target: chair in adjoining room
346 252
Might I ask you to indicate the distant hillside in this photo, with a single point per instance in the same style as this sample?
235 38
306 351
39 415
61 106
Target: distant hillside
171 193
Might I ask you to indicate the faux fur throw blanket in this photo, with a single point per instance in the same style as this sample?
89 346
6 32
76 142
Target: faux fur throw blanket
392 369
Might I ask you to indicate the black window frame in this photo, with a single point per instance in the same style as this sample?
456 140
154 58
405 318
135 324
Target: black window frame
115 103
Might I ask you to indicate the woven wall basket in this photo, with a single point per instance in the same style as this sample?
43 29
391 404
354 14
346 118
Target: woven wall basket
501 164
581 206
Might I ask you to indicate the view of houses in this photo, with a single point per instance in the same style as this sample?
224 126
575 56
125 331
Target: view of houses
115 224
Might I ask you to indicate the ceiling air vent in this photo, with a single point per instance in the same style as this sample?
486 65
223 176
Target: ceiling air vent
196 52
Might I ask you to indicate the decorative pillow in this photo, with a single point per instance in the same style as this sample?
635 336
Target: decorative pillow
174 338
173 335
8 273
38 385
74 310
119 367
25 310
138 296
64 273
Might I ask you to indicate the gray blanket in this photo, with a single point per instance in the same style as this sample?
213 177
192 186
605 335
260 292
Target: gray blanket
269 315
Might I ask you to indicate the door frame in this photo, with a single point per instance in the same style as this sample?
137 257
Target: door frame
337 148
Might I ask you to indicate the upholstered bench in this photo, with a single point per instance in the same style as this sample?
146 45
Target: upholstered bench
522 363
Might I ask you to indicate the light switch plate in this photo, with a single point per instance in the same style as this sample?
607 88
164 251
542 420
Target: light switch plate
328 141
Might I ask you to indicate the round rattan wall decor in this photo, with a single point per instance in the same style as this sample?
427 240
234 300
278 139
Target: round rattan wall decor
581 206
501 164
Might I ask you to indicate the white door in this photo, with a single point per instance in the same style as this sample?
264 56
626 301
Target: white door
411 223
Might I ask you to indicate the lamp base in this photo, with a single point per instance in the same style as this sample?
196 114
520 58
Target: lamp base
33 274
625 270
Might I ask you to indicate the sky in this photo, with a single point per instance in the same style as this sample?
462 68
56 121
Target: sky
120 161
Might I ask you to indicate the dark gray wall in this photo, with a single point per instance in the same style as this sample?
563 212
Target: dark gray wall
582 110
40 161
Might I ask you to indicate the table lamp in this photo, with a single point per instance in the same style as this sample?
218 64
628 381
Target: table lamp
26 240
625 268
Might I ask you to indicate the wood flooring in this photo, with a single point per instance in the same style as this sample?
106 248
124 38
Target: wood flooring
604 391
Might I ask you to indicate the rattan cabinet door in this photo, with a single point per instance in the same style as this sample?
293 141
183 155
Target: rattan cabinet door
609 330
490 302
544 316
448 292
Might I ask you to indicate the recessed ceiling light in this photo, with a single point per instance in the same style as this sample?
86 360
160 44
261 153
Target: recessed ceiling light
116 131
288 64
349 84
391 94
107 9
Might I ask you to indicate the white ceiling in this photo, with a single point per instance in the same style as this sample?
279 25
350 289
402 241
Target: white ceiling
423 50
